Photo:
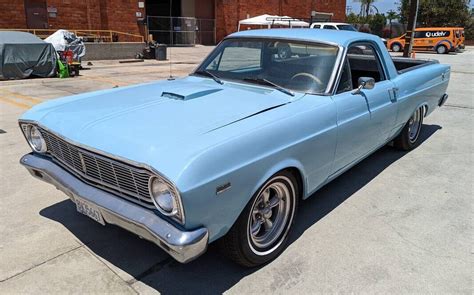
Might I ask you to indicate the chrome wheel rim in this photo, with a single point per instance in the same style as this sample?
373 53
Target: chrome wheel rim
441 49
271 215
414 125
396 48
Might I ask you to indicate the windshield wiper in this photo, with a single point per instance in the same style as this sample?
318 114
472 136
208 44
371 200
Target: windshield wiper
210 75
263 81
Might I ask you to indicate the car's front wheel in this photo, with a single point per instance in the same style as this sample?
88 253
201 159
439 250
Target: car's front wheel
408 138
396 47
260 233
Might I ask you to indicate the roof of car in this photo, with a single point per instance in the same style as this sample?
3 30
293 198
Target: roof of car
329 23
342 38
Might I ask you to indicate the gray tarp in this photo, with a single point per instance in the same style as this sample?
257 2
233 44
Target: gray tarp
23 55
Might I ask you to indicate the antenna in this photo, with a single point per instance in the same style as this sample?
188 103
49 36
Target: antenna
170 78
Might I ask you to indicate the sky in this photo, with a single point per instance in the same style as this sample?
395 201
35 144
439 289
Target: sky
382 5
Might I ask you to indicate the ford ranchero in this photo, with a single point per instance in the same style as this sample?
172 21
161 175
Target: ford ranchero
226 154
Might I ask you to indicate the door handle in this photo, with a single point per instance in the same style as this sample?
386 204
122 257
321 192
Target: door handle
393 94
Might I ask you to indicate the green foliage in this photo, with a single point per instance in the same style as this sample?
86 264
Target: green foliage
353 18
376 23
469 29
391 15
438 13
366 5
371 24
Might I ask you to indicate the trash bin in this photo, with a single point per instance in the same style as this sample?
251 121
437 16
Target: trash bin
160 52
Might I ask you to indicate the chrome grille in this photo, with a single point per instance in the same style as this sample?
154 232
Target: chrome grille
122 179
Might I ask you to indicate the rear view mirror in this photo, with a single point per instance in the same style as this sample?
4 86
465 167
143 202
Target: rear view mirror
364 83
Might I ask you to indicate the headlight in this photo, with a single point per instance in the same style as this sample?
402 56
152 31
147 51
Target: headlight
35 139
164 197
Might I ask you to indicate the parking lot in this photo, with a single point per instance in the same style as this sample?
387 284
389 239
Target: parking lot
395 223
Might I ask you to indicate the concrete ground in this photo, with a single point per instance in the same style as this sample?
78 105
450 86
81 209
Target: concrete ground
396 223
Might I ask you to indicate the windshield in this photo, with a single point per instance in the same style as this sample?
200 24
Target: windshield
347 28
298 66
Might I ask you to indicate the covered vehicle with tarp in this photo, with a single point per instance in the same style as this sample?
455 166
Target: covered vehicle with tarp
64 40
23 55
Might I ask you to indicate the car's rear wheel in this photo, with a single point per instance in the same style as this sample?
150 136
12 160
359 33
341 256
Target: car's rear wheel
260 233
396 47
408 138
441 49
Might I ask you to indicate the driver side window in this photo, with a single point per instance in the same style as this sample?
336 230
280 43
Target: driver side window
361 61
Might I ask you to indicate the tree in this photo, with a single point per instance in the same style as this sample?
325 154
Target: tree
391 15
365 6
438 13
353 18
376 23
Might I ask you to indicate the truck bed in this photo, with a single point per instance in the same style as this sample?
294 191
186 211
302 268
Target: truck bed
403 64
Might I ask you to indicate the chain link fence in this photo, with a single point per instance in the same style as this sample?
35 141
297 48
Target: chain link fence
182 31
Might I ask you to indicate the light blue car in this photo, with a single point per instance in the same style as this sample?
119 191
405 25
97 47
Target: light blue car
226 154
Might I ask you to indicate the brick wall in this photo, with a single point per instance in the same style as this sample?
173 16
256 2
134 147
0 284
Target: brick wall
117 15
12 14
229 12
75 14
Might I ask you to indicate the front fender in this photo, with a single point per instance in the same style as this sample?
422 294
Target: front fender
259 147
204 206
282 165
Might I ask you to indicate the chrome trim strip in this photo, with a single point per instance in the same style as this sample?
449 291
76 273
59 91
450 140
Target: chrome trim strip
335 71
118 158
182 245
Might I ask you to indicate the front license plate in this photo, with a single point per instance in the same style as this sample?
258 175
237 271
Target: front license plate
88 209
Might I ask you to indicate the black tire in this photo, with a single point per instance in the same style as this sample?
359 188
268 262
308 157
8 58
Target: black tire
409 138
396 47
238 244
441 49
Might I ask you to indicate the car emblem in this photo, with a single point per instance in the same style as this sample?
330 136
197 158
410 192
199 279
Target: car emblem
222 188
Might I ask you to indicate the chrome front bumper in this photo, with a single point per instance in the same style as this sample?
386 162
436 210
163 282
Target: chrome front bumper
183 246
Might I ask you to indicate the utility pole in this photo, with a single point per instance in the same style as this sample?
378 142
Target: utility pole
410 28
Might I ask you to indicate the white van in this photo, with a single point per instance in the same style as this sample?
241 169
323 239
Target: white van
339 27
333 26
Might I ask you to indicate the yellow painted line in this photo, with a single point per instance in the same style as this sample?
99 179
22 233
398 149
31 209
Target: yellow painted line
15 103
21 96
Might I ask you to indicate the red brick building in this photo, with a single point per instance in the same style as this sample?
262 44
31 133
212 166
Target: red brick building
130 16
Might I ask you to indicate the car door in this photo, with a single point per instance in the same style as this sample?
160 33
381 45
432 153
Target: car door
421 42
381 100
353 120
365 120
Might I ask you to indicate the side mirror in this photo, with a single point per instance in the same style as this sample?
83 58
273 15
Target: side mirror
364 83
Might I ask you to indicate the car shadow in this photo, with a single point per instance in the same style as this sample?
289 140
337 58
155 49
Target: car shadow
210 273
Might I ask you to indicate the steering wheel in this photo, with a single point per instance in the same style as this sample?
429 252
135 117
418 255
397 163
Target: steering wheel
320 84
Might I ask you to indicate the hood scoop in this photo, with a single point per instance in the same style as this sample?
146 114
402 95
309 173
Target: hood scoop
188 94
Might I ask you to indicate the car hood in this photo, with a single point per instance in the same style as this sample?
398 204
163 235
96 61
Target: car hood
154 120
